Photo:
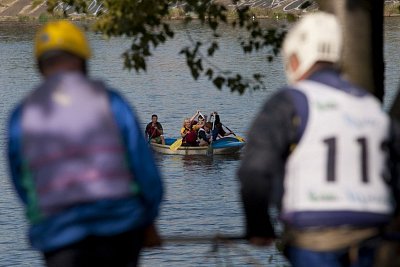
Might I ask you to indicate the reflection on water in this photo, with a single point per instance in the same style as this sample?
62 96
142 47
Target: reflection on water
201 192
203 200
196 162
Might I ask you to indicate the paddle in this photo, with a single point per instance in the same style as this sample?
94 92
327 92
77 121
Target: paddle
150 137
241 139
176 144
210 146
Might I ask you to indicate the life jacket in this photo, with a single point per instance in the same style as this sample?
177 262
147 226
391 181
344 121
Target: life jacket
151 130
344 184
191 137
72 146
208 135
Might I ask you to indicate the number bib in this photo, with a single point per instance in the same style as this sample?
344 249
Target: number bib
339 162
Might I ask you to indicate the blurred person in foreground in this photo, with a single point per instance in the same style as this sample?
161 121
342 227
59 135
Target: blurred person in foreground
324 153
79 161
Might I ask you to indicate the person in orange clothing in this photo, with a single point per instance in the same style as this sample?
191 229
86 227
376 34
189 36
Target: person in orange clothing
188 133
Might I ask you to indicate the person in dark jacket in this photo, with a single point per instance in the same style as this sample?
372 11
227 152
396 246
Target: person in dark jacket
218 129
324 153
205 134
79 161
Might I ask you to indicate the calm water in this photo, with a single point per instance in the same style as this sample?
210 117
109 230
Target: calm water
201 193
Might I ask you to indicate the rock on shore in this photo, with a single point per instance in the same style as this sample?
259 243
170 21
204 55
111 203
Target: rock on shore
15 8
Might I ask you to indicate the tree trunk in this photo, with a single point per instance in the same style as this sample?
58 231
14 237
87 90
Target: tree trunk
362 22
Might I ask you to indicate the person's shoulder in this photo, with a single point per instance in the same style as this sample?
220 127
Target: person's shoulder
113 92
334 78
287 90
285 102
287 93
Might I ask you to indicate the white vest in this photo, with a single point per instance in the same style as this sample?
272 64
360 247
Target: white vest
339 162
73 150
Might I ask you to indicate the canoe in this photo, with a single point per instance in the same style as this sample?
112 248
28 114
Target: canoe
223 146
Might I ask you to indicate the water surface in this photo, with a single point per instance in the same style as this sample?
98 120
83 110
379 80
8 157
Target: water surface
201 192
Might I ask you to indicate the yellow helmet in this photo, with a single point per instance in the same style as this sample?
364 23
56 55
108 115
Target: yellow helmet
61 35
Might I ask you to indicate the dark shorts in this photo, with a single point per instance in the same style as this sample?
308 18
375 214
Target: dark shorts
157 139
100 251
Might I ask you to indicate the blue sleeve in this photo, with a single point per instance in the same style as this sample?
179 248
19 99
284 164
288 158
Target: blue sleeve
14 152
145 171
214 133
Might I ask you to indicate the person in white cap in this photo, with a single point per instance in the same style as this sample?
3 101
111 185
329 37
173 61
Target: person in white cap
318 151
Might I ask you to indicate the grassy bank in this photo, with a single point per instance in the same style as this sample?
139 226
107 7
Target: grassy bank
392 10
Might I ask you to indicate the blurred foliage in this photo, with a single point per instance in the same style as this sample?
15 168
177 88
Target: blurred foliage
146 23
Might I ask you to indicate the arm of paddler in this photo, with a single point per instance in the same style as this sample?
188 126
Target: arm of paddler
183 132
196 127
194 116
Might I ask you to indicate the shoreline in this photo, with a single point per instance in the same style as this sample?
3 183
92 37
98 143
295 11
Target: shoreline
21 12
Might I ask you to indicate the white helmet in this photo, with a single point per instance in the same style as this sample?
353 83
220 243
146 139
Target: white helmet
316 37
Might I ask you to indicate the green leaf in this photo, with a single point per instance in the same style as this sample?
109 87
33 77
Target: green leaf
219 82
